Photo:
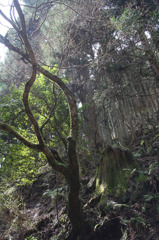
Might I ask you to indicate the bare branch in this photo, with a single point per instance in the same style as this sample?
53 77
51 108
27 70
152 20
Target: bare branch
21 16
23 32
9 21
11 47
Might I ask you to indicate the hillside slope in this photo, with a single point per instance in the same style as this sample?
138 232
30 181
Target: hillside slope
132 215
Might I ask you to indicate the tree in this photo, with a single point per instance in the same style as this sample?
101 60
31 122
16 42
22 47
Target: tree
113 68
69 170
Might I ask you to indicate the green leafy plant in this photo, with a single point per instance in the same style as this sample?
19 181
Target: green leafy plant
12 208
48 103
138 223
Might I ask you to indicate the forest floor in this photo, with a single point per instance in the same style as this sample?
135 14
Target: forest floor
134 215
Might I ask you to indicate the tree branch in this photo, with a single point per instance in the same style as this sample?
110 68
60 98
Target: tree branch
11 22
52 110
5 127
23 32
57 80
11 47
21 16
27 108
70 99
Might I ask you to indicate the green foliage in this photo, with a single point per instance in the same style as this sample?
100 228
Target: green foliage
156 136
127 20
111 205
134 19
54 194
144 186
11 207
138 222
19 164
148 198
48 104
10 105
142 176
153 169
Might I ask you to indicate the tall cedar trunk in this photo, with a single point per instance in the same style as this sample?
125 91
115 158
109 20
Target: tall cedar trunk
84 91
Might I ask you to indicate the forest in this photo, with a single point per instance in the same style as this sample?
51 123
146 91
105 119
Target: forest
79 120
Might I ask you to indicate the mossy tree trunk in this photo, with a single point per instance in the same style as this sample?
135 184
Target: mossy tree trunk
114 168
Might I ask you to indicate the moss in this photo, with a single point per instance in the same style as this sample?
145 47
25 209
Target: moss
114 170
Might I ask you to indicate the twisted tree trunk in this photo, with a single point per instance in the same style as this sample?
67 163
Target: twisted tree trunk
70 171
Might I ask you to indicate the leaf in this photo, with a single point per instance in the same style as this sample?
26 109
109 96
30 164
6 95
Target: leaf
157 136
141 178
148 198
133 171
137 155
142 142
